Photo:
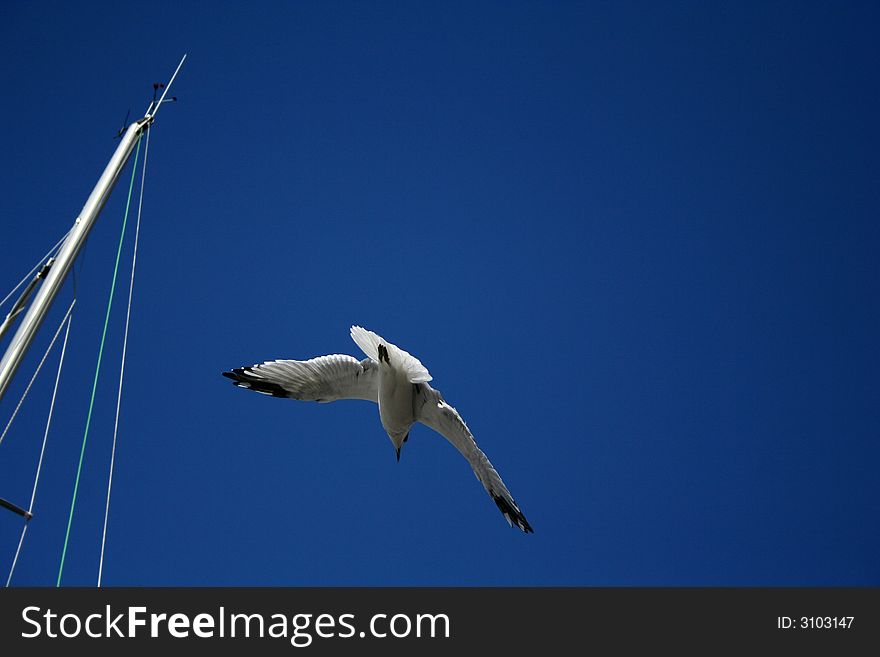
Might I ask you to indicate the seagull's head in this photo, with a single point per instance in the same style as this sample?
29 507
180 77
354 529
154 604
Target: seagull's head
397 439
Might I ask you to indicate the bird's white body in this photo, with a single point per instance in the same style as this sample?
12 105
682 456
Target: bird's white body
395 402
394 379
399 375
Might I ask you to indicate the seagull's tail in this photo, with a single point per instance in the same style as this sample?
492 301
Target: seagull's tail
367 340
370 344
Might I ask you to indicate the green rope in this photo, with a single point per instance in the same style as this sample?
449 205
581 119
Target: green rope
98 366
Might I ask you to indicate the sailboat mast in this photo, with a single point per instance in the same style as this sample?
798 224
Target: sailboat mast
67 255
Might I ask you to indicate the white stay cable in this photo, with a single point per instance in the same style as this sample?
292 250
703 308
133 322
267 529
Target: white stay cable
36 267
122 364
36 372
68 317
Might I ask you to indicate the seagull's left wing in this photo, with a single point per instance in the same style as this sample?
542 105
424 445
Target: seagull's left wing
323 379
433 411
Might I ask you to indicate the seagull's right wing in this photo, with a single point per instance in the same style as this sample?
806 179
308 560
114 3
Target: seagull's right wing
323 379
433 411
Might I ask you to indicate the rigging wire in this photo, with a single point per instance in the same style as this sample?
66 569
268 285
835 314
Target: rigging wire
69 318
137 232
34 377
98 367
36 267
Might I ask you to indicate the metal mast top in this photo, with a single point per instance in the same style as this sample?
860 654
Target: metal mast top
35 315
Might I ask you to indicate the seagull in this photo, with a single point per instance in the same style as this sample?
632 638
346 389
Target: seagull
395 380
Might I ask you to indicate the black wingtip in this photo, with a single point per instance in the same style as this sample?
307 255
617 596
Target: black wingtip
513 514
243 378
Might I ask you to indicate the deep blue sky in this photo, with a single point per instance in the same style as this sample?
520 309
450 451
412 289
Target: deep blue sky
635 244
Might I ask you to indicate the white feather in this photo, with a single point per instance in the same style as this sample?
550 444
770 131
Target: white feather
369 343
